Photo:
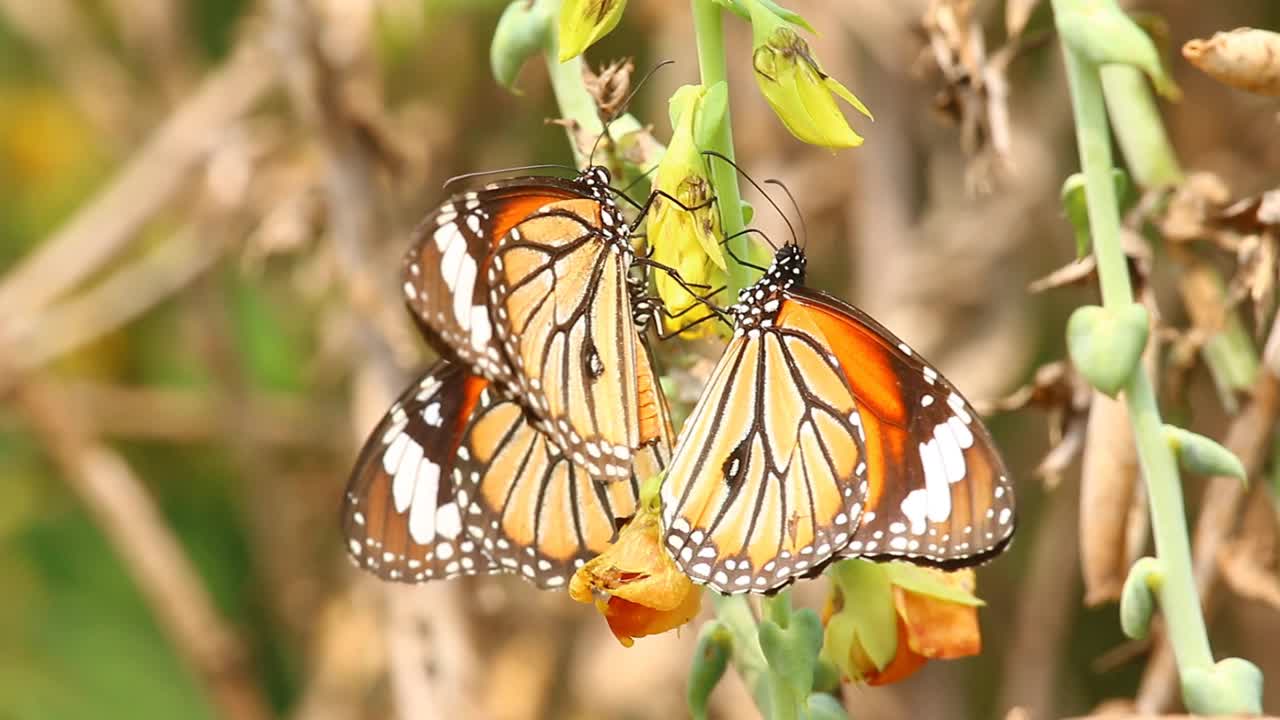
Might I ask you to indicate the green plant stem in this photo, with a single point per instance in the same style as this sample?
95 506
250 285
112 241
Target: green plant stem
709 30
1178 598
572 98
1139 130
735 613
1230 355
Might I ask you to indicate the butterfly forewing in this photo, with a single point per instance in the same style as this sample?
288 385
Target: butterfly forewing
766 482
938 492
404 515
445 272
564 317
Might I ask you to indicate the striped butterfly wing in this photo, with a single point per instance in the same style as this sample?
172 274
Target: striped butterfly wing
405 511
564 316
768 478
938 493
446 270
536 513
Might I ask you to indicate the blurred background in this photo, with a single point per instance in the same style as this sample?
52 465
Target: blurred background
202 207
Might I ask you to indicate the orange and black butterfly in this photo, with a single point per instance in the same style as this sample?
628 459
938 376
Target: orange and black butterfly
821 435
526 283
459 480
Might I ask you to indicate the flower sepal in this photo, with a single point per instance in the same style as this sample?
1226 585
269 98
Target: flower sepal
794 85
884 621
634 583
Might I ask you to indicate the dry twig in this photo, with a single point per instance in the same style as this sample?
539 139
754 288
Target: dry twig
149 549
150 179
187 416
44 334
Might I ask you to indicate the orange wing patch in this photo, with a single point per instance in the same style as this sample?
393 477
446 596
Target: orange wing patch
938 493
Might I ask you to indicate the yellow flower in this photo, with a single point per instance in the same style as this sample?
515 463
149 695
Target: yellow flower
884 621
646 593
583 22
688 240
793 83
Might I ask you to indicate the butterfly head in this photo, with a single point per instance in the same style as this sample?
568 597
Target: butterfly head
759 302
595 179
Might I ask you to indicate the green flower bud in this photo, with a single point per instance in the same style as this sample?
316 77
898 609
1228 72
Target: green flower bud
1137 597
520 34
1231 687
793 83
687 240
583 22
1106 343
710 659
1202 455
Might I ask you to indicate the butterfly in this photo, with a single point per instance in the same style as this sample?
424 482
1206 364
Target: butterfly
821 435
458 479
526 283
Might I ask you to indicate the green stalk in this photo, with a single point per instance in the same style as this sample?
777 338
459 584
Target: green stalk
1230 355
709 31
735 613
1177 592
1138 127
574 101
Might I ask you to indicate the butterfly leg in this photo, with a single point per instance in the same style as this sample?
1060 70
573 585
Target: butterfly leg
740 261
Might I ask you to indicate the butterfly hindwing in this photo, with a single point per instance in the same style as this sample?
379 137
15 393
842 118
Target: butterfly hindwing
939 493
536 512
404 515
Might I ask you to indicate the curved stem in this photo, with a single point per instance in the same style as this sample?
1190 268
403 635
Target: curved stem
1178 597
709 30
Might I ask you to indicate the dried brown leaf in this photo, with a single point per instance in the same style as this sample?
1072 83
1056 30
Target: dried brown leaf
1255 276
1258 213
1246 576
974 89
1078 272
1192 205
610 87
1073 273
1245 58
1065 395
1016 15
1109 474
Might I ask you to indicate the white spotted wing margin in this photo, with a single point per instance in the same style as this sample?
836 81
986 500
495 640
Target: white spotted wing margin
947 500
405 512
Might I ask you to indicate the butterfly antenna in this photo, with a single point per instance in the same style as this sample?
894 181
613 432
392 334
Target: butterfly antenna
794 238
505 171
804 227
626 102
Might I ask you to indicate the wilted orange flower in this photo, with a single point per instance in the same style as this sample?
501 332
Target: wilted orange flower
647 593
933 616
